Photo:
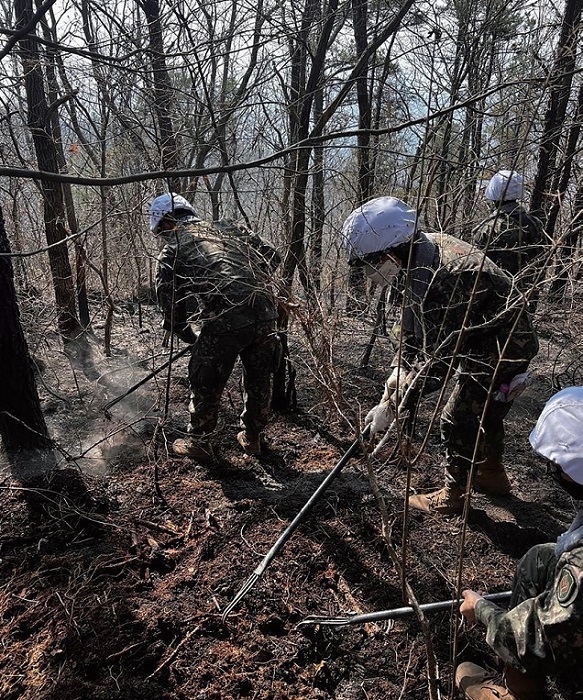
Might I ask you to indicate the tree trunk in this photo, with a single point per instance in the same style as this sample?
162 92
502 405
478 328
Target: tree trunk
566 251
80 253
365 173
43 139
318 204
163 91
22 424
560 89
355 301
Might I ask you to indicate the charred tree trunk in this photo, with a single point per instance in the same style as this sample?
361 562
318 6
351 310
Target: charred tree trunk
356 301
22 424
560 88
80 252
39 122
163 92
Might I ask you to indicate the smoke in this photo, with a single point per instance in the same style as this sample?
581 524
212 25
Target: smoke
73 395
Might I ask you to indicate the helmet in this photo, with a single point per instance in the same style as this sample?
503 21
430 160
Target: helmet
505 185
384 222
558 433
166 204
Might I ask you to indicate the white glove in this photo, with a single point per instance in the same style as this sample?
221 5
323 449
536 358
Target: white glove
398 379
508 392
379 418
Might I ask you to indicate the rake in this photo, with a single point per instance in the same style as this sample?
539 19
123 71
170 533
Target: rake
393 614
290 529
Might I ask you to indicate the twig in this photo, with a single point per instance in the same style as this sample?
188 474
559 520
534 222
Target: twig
189 528
159 528
431 662
118 654
173 655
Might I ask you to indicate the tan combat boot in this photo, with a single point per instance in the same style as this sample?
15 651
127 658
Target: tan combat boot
198 449
490 478
250 445
447 501
479 684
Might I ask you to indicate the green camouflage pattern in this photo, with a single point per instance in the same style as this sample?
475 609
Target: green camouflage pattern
219 276
514 240
212 360
206 270
476 331
542 631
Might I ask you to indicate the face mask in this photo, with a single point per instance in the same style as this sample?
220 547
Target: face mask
574 489
383 273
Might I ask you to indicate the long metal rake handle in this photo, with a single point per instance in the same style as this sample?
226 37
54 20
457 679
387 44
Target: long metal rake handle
393 614
146 379
287 533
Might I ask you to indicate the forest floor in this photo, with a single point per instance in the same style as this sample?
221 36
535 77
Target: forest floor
117 563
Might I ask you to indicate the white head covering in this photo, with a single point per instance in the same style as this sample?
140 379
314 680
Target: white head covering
558 434
505 185
384 222
166 204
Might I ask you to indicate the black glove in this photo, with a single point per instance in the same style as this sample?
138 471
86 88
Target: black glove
186 335
181 330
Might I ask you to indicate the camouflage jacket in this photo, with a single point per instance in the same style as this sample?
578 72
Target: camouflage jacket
461 303
542 635
513 239
215 273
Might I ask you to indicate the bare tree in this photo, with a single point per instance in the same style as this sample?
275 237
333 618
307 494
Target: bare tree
560 82
22 424
39 122
163 93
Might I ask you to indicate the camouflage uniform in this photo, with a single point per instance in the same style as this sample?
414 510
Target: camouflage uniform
513 239
484 344
542 631
218 276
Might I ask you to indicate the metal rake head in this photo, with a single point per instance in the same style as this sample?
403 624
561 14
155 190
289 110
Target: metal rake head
322 620
245 588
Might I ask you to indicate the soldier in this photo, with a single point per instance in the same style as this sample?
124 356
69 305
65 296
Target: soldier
459 320
542 632
218 275
511 237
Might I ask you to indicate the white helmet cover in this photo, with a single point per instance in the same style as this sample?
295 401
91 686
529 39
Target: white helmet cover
381 223
166 204
558 433
505 185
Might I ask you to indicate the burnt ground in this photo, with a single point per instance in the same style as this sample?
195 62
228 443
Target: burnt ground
117 563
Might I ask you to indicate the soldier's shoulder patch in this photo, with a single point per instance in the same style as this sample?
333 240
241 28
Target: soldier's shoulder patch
567 586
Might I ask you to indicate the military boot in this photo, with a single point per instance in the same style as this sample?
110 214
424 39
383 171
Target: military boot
490 478
195 448
447 501
479 684
251 444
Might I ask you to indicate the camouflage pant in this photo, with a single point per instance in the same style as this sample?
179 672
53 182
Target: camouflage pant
212 360
472 422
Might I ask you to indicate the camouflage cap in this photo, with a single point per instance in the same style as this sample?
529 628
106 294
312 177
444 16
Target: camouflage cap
558 433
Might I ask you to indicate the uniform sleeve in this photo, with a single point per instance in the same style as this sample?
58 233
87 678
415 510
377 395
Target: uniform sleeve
266 250
483 234
447 314
170 294
533 634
